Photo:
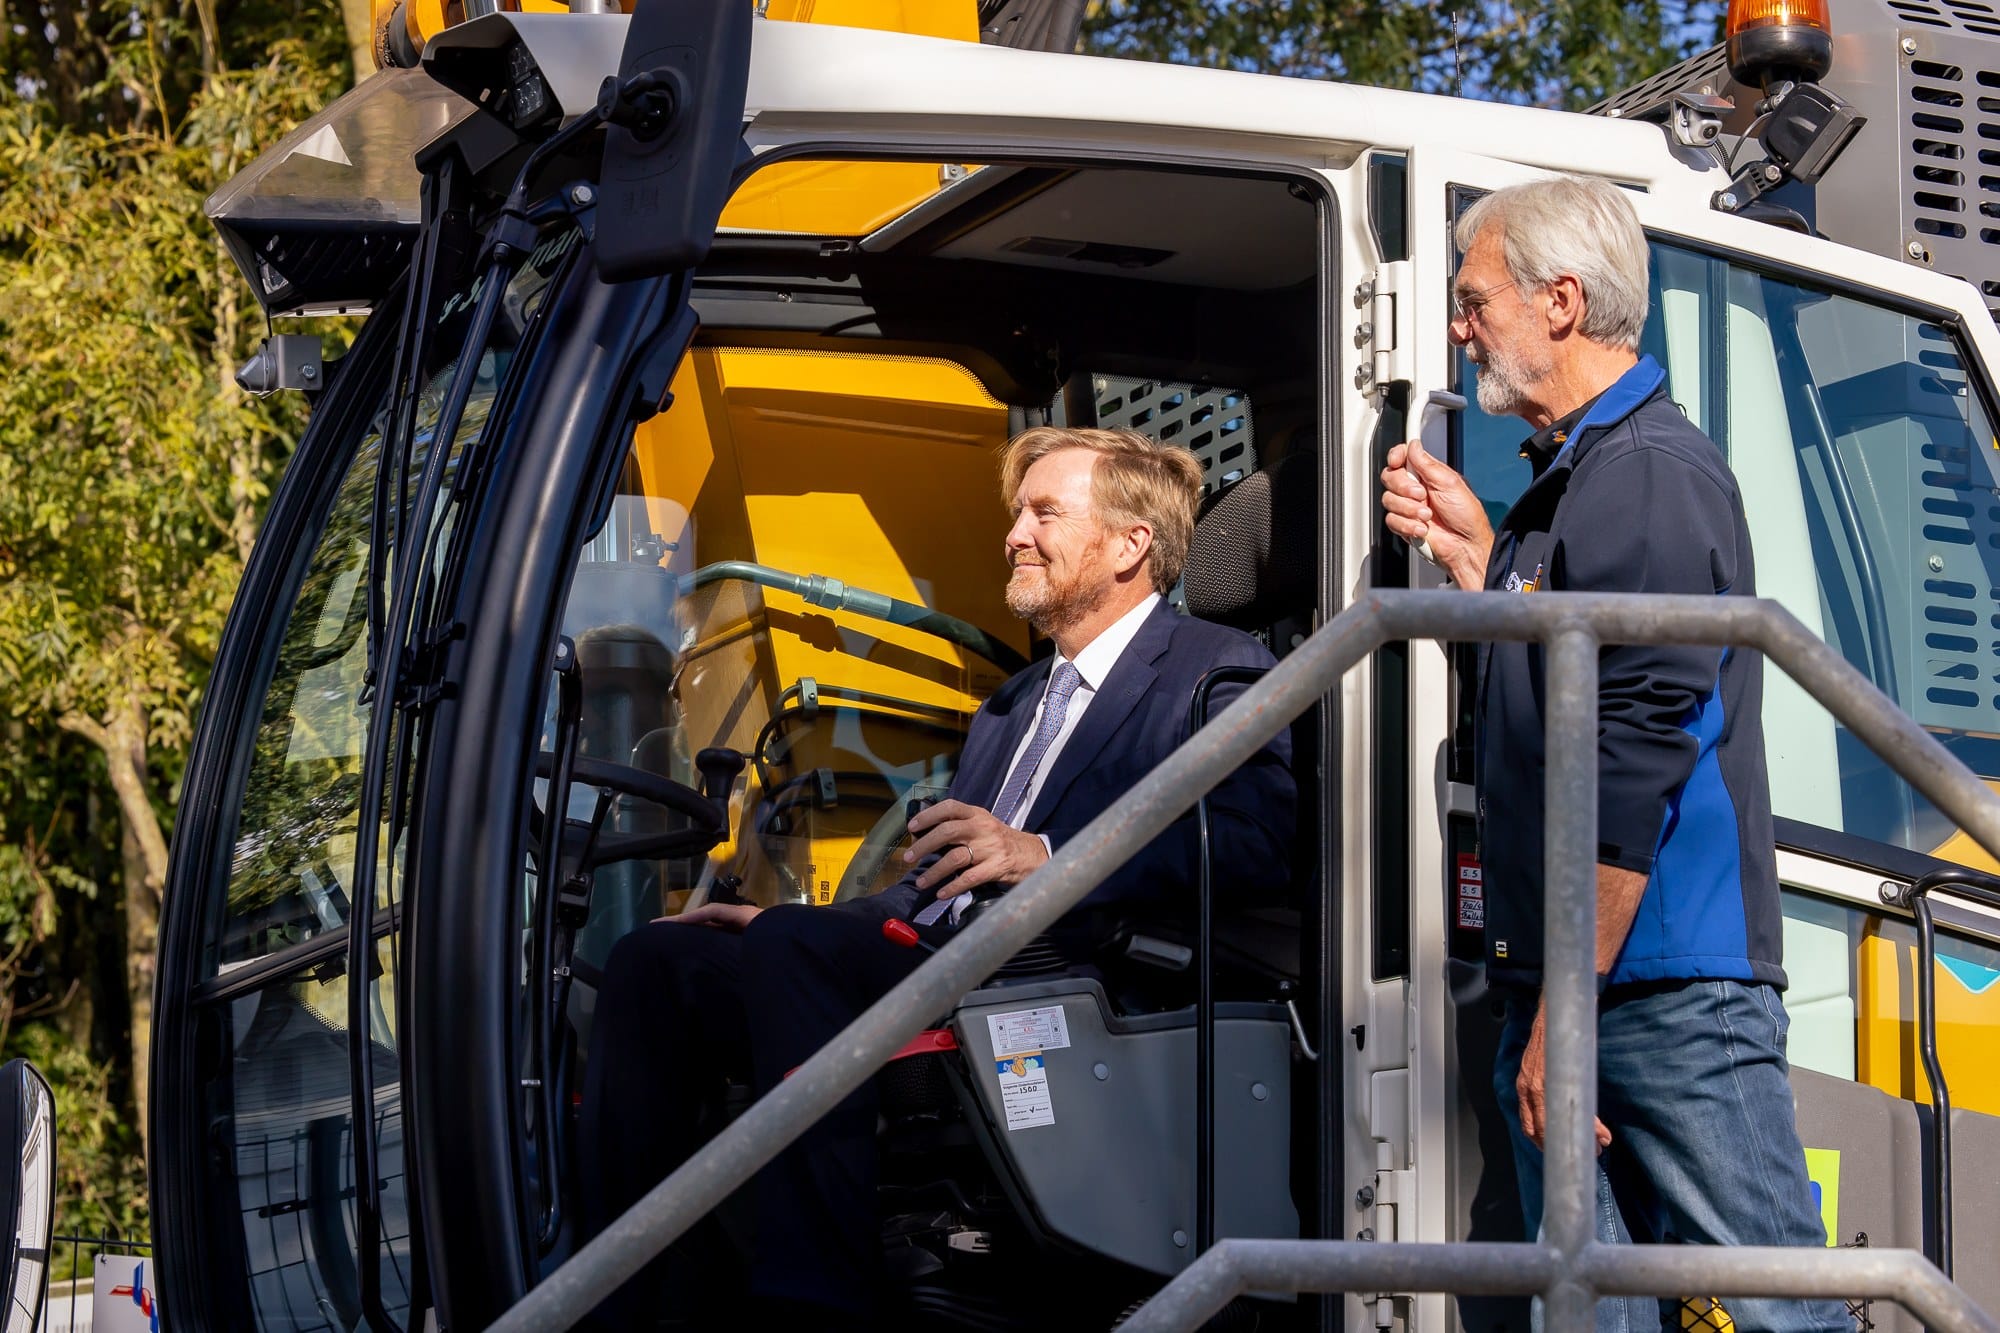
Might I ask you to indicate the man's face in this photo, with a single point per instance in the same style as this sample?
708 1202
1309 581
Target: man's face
1500 328
1059 553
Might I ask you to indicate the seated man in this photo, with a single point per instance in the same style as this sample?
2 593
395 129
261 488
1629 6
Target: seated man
1102 524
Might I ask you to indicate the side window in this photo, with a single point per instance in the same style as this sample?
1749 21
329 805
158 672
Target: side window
1872 487
1853 1002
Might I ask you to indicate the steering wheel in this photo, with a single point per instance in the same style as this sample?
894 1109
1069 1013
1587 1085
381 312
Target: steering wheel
709 817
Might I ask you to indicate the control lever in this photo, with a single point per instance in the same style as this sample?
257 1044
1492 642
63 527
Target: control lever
1440 402
898 931
719 766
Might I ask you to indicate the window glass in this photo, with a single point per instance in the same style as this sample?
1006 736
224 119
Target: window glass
691 630
1872 489
1853 1002
295 838
284 1104
285 1109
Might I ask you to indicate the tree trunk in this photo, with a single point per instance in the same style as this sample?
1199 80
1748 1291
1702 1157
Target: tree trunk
359 16
142 938
121 735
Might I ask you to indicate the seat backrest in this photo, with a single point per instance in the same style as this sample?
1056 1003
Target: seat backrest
1252 560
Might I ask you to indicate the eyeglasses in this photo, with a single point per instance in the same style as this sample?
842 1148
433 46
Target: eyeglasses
1468 307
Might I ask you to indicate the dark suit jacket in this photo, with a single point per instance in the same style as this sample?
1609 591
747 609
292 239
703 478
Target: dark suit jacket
1137 718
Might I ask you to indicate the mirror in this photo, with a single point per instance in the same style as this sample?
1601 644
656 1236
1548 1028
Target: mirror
27 1196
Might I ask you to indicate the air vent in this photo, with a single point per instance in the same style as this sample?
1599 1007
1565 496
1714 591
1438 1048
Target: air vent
1213 424
1088 252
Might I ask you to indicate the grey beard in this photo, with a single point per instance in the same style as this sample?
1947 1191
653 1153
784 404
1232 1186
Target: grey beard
1502 381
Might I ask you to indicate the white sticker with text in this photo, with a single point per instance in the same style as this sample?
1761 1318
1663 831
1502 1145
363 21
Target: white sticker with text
1024 1091
1027 1030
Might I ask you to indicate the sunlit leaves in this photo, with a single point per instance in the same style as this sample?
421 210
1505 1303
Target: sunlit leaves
1554 53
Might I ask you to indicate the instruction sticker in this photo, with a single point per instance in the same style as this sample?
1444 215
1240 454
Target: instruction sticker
1024 1091
1471 894
1027 1031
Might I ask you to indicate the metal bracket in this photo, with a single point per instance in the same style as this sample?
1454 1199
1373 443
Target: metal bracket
1385 330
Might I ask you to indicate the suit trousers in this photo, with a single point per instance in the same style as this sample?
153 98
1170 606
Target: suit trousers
684 1009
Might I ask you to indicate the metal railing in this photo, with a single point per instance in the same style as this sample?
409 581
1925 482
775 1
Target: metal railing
65 1320
1567 1268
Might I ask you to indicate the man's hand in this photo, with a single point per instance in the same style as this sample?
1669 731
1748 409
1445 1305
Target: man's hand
972 848
1424 498
1530 1088
722 916
1618 895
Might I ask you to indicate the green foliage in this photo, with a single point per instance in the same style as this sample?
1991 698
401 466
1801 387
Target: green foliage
1566 53
133 474
120 474
100 1172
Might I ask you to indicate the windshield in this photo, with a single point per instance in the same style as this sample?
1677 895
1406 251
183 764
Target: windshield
692 631
294 846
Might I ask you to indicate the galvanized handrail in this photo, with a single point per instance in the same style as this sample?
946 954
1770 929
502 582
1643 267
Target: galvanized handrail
1568 1268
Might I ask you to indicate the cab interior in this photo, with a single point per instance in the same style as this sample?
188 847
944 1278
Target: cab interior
837 424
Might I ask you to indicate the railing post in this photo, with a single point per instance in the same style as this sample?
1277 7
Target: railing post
1569 970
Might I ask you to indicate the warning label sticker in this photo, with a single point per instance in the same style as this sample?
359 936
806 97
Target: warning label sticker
1027 1031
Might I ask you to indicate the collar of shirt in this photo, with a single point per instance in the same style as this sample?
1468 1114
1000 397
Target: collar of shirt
1098 656
1541 448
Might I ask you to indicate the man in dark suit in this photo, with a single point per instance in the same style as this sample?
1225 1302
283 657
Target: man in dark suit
1102 525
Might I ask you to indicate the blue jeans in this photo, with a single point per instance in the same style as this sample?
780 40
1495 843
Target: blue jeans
1692 1083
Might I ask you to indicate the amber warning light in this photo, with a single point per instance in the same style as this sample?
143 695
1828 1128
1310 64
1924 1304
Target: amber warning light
1778 41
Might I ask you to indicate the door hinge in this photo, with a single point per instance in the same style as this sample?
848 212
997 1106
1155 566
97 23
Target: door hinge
1384 331
1394 1193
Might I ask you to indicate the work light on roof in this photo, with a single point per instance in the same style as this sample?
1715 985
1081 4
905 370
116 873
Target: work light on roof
1778 41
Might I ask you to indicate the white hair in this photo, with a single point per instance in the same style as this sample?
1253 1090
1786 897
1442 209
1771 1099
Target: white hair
1576 225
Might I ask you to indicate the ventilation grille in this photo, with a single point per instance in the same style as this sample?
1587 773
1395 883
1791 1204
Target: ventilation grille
1957 523
1951 117
1213 424
1965 15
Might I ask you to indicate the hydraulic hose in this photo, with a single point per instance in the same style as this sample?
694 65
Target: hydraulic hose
819 590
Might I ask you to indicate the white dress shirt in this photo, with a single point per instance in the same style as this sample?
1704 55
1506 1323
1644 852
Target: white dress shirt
1092 664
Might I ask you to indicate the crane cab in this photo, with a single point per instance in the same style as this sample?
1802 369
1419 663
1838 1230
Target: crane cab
557 546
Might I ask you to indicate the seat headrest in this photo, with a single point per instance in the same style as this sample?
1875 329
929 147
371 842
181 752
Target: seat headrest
1253 558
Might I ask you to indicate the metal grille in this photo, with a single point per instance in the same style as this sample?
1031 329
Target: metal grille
1214 424
1709 69
1926 74
1971 15
287 1269
1957 516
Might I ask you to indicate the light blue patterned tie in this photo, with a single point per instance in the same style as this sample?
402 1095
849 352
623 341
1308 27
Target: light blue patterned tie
1061 686
1054 708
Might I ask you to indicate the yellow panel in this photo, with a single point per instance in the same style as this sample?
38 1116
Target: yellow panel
878 471
830 198
1960 849
930 18
1968 1024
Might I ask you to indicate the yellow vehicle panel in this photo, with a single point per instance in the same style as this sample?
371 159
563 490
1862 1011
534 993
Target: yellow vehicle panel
1968 1017
858 468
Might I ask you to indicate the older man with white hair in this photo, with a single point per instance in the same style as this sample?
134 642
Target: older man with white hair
1695 1121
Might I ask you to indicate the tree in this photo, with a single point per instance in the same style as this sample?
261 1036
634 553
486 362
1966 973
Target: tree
1566 53
132 470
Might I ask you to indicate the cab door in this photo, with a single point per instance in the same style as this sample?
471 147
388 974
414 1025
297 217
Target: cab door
1852 396
1411 1146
